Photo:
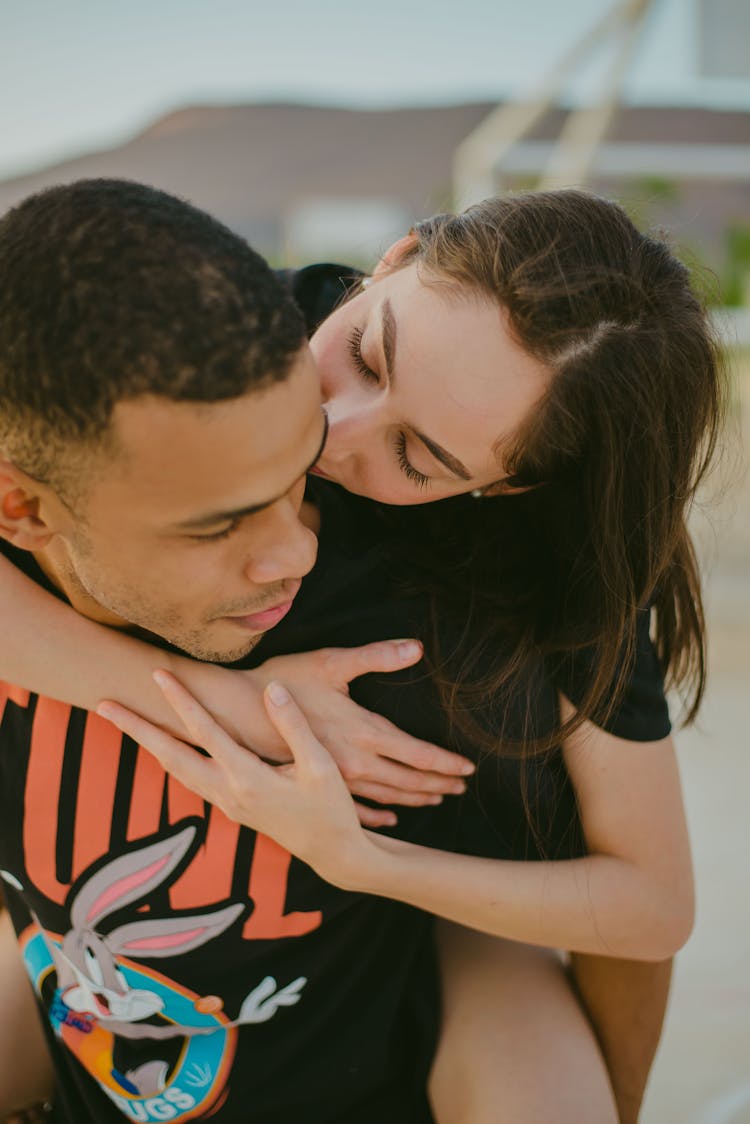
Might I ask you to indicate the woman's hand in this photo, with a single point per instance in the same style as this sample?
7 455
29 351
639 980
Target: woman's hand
305 806
377 760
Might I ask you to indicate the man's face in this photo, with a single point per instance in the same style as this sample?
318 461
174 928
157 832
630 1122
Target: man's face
191 529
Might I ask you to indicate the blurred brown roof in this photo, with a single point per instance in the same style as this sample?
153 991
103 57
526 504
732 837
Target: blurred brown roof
249 165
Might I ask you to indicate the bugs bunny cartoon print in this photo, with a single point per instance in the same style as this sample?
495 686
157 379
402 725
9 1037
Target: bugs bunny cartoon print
158 1050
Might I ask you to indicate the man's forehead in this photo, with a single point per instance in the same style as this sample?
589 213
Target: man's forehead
184 458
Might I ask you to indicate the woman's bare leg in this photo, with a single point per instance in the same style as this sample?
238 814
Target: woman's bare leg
515 1046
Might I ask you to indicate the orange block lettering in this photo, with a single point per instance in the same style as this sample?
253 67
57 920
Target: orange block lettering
208 878
100 761
43 794
9 692
268 883
146 797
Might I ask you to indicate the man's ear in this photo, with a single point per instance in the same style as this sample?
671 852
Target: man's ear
394 254
20 501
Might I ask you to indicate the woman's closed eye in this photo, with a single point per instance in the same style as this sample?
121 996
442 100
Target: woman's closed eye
355 350
407 467
366 372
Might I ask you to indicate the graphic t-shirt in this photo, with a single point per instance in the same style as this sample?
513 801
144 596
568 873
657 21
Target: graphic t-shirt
188 968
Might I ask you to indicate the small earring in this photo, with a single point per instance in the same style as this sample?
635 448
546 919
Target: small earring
477 494
366 282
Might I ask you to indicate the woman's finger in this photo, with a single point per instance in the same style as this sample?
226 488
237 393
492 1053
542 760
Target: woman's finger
344 664
202 727
361 765
294 728
384 794
375 817
180 760
418 754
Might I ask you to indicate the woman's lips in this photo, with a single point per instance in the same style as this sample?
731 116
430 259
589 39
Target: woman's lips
259 622
319 472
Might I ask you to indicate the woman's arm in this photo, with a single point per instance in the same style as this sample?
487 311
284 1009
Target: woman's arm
630 897
53 650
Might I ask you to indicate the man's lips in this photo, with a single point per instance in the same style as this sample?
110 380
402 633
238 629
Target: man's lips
259 622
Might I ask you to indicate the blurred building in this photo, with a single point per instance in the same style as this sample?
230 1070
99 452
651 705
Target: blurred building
724 38
304 182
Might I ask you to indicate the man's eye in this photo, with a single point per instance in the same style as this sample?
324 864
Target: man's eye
216 535
355 350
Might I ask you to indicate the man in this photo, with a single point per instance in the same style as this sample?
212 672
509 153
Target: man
158 413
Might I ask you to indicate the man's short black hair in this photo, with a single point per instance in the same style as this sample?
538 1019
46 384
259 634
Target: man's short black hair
110 290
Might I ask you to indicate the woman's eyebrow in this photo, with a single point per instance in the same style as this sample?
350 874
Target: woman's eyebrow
453 464
388 333
388 341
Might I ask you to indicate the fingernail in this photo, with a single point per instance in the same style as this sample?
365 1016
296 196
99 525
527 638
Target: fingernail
467 769
390 821
408 649
458 789
435 800
160 678
278 695
104 710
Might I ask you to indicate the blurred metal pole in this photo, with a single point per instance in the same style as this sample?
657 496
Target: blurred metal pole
584 130
480 155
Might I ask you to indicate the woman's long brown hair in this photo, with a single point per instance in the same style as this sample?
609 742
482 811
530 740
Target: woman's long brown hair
611 458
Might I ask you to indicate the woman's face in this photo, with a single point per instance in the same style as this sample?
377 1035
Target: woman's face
422 382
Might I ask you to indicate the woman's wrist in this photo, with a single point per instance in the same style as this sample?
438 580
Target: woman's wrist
235 699
368 866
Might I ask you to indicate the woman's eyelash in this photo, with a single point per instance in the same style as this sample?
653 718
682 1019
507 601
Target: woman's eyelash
355 350
413 473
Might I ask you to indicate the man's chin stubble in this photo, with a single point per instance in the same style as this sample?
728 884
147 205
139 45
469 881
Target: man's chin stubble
129 609
197 648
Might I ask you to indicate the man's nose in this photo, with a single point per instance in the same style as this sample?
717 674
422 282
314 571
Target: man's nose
282 548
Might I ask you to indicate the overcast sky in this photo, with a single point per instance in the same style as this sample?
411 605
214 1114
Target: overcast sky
83 74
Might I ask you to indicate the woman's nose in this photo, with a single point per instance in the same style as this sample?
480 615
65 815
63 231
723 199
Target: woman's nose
352 422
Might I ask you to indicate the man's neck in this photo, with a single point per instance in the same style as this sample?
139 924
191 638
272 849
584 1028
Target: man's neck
55 569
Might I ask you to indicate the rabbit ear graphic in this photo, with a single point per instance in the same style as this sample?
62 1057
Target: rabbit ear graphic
171 936
128 878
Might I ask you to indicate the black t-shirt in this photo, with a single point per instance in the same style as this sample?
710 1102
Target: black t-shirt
188 967
136 904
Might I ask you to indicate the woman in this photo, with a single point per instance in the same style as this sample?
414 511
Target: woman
540 352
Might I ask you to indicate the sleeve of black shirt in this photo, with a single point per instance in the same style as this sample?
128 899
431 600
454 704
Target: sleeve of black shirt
642 714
